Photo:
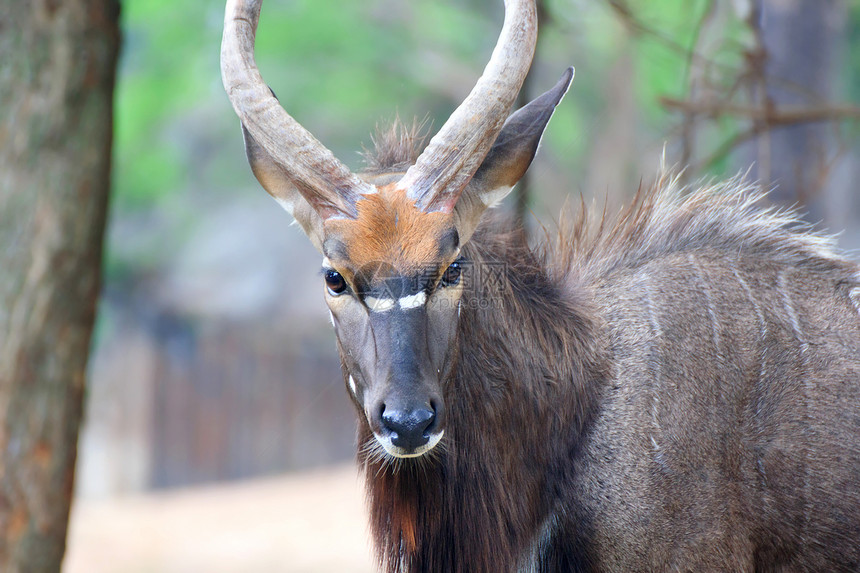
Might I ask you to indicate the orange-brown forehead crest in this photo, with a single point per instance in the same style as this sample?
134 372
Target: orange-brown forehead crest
390 229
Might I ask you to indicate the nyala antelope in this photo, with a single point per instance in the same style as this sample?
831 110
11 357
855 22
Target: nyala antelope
674 389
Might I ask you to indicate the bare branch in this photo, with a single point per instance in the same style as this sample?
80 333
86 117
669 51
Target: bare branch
770 115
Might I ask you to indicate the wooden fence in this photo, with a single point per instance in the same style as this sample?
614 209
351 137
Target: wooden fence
232 400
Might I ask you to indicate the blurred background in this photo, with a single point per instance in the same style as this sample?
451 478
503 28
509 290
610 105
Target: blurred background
218 435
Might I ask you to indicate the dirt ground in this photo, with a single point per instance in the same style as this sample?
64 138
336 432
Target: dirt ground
310 522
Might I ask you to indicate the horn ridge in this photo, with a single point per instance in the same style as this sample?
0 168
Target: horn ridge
326 183
437 179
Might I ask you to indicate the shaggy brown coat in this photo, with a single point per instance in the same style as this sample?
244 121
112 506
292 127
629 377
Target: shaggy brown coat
677 390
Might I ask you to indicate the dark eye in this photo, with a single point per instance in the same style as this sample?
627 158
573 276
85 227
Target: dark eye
452 275
334 281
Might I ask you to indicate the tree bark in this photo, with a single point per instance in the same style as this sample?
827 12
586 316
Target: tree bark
802 39
57 73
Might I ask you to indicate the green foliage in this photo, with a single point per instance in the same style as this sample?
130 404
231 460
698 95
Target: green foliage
341 67
164 71
851 64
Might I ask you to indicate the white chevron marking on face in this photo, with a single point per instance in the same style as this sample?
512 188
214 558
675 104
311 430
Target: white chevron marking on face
407 302
379 304
413 301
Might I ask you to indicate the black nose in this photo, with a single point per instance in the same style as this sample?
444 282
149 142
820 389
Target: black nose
408 428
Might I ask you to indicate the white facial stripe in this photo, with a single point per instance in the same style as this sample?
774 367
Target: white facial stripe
406 302
331 317
352 384
413 301
326 264
379 304
399 452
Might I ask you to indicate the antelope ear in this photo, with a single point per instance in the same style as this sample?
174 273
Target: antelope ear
276 182
509 158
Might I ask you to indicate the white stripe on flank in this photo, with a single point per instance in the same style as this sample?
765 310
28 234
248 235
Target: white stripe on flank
413 301
379 304
854 295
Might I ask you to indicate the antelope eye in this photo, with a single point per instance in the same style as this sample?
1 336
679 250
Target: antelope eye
334 281
452 275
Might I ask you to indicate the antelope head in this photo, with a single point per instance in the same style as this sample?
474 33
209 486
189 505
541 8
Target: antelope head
392 242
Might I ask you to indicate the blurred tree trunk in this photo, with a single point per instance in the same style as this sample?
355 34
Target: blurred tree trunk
523 190
802 40
57 72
